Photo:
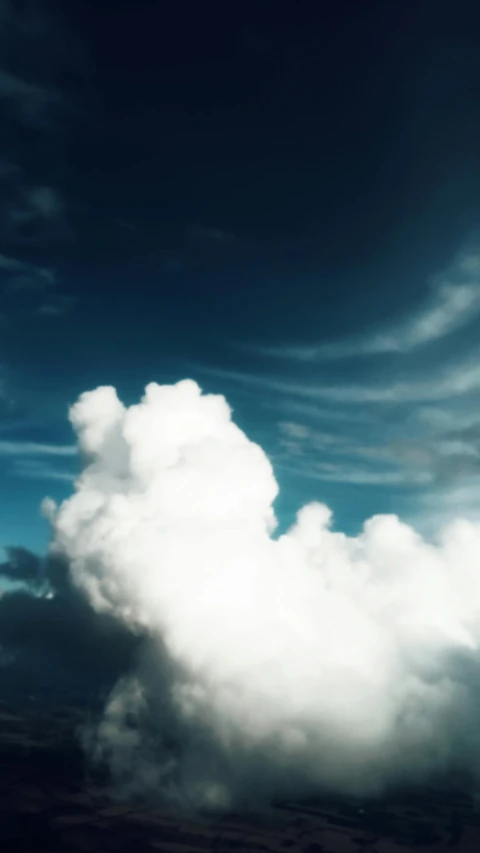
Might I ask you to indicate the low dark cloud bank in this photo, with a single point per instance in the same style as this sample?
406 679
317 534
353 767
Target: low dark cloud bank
54 647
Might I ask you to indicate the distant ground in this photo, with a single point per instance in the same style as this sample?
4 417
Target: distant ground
48 803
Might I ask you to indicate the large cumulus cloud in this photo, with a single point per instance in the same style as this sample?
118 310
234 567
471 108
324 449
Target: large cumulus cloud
307 660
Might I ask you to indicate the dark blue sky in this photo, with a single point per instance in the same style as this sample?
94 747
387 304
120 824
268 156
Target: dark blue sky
280 201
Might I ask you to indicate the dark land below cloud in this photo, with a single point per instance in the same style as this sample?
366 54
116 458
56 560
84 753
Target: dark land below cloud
50 800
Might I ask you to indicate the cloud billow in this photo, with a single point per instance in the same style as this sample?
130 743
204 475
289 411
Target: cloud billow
268 664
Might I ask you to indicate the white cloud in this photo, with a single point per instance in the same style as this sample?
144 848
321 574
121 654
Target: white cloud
273 665
451 307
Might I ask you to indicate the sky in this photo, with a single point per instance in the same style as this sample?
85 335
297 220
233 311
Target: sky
239 376
284 208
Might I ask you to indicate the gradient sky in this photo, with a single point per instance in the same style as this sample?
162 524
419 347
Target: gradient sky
283 206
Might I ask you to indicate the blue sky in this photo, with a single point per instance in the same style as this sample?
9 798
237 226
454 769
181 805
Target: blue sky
285 210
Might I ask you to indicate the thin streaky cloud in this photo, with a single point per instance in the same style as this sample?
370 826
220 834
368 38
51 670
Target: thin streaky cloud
31 448
436 508
38 471
30 102
451 308
315 412
333 443
356 476
462 379
57 306
39 203
439 419
44 277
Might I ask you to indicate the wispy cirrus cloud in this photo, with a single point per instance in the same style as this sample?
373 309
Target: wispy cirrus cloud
327 472
423 458
34 460
301 436
345 458
292 409
28 101
32 469
451 382
34 204
57 305
32 210
454 303
22 275
33 448
28 287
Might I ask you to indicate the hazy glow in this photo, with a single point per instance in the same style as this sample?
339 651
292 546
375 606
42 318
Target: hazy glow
317 658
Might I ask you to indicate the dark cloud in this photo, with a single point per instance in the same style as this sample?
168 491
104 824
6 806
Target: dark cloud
22 565
51 640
